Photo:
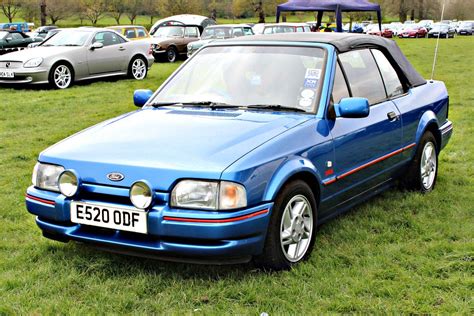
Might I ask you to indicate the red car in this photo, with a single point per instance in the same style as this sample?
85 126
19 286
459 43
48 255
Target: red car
413 32
387 33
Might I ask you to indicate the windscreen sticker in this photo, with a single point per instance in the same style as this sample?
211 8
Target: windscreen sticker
307 94
313 73
306 103
310 83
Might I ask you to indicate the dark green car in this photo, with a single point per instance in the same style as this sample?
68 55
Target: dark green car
14 39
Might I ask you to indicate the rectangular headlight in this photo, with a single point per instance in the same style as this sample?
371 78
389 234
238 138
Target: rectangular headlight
208 195
45 176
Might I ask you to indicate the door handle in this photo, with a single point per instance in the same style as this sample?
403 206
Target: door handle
121 49
392 116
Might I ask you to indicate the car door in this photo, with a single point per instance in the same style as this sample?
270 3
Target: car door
366 149
111 57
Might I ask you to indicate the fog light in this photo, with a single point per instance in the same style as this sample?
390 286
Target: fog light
141 195
68 183
29 78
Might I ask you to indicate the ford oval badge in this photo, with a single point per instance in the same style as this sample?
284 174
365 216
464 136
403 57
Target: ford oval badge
115 176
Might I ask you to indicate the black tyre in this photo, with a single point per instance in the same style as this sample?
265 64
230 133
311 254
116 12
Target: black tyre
138 69
423 170
61 76
292 228
171 54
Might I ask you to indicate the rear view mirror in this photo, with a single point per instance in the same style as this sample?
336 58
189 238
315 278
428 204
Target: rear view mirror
140 97
353 108
96 45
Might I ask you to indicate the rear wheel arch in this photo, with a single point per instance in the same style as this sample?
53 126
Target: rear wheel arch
429 122
138 55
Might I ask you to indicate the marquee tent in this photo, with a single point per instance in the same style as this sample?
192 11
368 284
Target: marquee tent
337 6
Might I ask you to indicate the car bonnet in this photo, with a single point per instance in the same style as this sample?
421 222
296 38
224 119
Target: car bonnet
166 144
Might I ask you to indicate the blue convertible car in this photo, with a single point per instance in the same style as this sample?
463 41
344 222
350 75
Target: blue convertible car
245 150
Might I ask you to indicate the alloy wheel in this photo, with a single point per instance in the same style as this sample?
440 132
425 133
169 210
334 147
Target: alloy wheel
138 69
296 228
62 77
428 165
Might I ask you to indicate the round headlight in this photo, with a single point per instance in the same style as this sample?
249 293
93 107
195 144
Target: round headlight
68 183
141 195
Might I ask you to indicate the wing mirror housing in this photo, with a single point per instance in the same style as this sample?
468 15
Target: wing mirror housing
96 45
352 108
141 96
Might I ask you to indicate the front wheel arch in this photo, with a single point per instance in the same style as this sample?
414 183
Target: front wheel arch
295 169
66 63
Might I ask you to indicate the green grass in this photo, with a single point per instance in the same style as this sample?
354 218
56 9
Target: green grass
400 252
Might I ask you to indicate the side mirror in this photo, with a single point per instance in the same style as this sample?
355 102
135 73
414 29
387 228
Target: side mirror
96 45
353 108
140 97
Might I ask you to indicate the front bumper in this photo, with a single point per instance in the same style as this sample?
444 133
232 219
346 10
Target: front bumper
178 235
27 76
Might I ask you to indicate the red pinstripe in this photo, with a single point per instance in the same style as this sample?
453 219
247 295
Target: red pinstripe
368 164
226 220
31 197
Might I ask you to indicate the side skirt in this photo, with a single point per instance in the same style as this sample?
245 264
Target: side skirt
357 199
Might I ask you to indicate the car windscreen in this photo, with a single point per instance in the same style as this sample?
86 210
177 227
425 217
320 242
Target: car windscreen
217 32
68 38
249 75
169 31
3 34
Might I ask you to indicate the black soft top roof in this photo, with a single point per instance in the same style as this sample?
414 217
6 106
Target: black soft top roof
344 42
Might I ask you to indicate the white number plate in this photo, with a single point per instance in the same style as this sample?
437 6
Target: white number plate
6 74
107 216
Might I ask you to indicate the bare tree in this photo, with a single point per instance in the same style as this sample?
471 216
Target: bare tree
133 8
117 8
93 10
29 10
10 8
151 8
59 10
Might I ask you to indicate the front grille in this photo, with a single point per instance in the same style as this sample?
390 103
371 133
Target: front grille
10 64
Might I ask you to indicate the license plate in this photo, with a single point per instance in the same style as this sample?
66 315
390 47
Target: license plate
6 74
108 216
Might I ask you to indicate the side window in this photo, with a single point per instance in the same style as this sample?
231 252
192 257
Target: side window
392 83
299 29
141 33
339 90
130 33
238 32
17 36
363 75
307 29
191 32
248 31
107 38
268 30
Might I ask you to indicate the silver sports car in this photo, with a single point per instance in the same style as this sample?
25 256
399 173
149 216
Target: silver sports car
77 54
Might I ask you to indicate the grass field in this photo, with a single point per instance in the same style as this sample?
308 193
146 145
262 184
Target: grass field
400 252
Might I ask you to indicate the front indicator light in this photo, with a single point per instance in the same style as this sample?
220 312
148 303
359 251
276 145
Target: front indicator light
232 195
68 183
141 195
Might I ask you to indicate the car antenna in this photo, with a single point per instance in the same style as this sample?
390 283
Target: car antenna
437 44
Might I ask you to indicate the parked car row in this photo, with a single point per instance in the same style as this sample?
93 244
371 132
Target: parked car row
77 54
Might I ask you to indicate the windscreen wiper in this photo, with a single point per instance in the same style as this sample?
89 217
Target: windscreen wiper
209 104
276 107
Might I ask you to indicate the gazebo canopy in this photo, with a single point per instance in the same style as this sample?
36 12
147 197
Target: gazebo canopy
337 6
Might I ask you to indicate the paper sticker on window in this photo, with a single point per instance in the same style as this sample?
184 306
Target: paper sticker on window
306 103
310 83
313 73
307 94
